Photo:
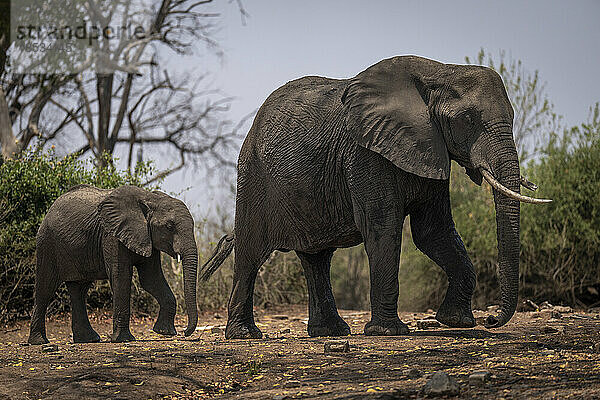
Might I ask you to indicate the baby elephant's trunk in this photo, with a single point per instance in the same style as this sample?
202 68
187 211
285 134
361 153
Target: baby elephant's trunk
222 251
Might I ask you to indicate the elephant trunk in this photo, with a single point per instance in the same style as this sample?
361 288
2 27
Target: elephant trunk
189 259
502 171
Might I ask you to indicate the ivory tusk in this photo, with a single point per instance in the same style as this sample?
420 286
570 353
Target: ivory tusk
178 258
526 183
504 190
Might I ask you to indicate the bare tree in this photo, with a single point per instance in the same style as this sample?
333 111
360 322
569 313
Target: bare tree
534 118
129 99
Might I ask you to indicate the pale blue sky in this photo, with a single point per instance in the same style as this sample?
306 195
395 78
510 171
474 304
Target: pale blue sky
284 40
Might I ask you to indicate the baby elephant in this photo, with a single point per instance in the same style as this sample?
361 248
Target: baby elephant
91 234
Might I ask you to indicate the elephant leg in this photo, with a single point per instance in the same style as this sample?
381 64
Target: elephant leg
153 281
434 234
45 287
323 317
240 320
120 283
80 324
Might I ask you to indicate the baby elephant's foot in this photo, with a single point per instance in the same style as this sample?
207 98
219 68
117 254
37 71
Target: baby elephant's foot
456 316
394 327
334 326
86 336
242 330
165 328
122 335
37 338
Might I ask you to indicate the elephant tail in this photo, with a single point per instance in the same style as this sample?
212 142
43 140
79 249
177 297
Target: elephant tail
222 251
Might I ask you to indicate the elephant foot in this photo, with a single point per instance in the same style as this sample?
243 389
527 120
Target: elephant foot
394 327
164 328
334 326
122 335
240 330
37 338
455 316
90 336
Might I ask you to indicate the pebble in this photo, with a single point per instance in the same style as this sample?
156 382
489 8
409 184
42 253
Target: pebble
337 346
428 323
284 331
479 378
291 384
413 373
563 309
49 348
281 317
553 329
441 384
216 329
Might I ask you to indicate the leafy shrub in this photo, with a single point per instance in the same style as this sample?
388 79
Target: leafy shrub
29 185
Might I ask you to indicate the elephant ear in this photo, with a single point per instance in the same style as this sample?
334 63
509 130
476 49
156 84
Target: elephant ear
123 214
387 114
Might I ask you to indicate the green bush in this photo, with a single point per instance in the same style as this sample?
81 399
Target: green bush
29 185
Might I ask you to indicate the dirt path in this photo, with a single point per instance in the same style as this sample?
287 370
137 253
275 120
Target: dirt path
525 359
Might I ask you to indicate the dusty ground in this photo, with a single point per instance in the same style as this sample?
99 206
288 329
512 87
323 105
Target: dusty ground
524 361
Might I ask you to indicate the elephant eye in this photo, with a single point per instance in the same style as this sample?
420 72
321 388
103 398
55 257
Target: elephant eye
170 226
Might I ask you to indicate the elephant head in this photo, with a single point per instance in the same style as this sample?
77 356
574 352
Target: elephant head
143 221
420 114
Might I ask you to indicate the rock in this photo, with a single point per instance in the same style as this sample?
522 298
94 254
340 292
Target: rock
553 329
479 378
563 309
428 323
216 329
547 352
291 384
281 317
217 316
284 331
280 397
529 305
441 384
337 346
49 348
413 373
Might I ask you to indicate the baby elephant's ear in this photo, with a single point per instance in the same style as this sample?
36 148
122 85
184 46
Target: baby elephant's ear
387 113
124 214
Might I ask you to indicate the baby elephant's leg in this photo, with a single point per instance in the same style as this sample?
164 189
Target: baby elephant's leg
80 324
153 281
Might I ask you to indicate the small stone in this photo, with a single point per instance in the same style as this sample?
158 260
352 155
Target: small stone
337 346
413 373
284 331
217 316
479 378
291 384
441 384
281 317
428 323
216 329
547 352
553 329
49 348
280 397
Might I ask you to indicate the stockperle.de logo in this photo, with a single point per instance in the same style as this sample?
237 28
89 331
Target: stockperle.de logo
69 36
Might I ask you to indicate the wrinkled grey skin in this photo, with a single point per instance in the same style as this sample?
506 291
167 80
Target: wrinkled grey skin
90 233
332 163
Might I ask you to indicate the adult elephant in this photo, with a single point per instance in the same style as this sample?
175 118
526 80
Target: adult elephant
90 233
332 163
